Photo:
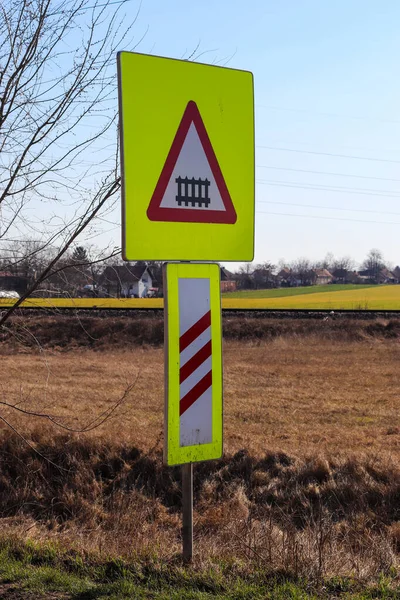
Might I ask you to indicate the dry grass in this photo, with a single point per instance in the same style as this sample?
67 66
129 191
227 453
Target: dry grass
316 490
139 329
305 517
307 396
300 395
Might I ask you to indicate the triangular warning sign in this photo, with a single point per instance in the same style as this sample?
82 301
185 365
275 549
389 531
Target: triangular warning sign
191 187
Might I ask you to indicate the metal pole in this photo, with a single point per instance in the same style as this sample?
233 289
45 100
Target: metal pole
187 511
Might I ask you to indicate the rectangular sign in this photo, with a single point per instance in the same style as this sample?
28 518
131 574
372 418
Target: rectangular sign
187 158
193 346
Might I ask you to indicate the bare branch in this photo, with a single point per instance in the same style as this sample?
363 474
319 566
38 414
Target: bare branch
85 220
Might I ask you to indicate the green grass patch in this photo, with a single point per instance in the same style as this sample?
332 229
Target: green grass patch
29 570
295 291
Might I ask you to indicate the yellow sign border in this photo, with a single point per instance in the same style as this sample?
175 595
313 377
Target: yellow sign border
153 94
174 454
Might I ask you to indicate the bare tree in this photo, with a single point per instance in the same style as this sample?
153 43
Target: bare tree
264 275
373 264
326 263
345 263
58 119
58 130
304 271
25 257
244 276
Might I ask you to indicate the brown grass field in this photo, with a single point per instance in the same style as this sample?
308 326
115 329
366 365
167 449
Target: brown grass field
309 481
295 395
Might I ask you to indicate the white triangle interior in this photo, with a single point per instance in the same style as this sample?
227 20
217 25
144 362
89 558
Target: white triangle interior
192 163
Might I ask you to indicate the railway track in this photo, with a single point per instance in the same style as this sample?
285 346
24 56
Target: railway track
68 311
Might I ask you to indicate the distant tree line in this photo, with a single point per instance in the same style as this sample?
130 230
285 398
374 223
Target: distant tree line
303 271
81 269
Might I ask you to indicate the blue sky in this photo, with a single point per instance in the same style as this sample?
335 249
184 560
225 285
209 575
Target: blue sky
327 91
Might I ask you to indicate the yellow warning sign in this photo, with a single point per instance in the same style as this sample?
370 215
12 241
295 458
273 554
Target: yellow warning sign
187 153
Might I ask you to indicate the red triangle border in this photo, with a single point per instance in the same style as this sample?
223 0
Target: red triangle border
178 215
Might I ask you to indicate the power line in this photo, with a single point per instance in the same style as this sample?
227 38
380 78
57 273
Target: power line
324 114
385 160
339 208
316 188
327 218
281 142
327 173
395 193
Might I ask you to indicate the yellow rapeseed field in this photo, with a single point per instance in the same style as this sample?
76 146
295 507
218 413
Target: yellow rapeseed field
100 303
374 298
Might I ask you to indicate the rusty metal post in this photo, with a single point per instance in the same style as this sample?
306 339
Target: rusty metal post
187 512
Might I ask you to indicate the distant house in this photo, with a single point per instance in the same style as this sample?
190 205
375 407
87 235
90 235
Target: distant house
264 278
341 276
284 273
228 283
354 277
286 278
322 277
10 282
386 276
345 276
68 280
383 276
396 273
126 281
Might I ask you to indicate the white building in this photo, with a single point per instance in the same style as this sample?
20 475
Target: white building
126 281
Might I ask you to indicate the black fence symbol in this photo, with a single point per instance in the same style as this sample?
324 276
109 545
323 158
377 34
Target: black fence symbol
195 192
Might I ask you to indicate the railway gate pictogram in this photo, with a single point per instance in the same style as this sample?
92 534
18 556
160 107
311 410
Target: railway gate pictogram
195 191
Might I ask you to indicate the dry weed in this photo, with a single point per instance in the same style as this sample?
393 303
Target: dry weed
315 492
310 517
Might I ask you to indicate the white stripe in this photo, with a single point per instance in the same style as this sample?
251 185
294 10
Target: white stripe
195 346
194 301
196 422
195 377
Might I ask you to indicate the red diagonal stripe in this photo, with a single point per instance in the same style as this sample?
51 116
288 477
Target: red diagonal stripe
196 360
195 393
194 331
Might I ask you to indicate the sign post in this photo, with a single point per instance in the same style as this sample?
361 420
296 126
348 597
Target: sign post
193 375
187 512
187 156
